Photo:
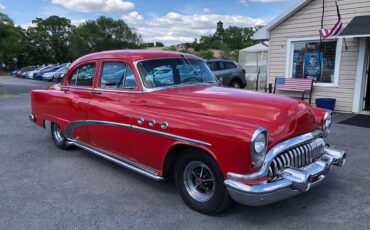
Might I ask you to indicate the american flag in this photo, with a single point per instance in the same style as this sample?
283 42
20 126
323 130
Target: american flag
294 84
326 33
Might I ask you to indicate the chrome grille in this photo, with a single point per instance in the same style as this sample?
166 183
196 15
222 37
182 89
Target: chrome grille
298 157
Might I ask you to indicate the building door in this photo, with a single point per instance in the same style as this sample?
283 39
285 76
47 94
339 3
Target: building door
366 106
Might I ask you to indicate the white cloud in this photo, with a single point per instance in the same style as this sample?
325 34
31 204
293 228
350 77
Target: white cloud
27 25
206 10
174 28
95 5
2 6
133 18
243 2
77 22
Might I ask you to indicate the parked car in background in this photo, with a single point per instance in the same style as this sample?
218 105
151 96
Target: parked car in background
38 74
228 72
60 73
49 75
13 72
23 70
31 73
220 144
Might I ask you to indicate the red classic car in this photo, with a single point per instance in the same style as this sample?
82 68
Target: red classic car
163 114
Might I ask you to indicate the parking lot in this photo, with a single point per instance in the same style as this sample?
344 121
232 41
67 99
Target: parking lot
43 187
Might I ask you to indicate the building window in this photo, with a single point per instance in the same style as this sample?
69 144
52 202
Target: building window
311 59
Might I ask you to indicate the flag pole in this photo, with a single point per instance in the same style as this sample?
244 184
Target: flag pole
322 26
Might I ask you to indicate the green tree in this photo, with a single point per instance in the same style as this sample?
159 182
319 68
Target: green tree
205 54
159 44
11 41
6 19
229 40
103 34
48 41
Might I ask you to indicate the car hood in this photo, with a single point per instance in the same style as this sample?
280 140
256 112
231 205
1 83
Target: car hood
282 117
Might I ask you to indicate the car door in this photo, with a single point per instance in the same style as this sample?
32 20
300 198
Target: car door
110 108
72 104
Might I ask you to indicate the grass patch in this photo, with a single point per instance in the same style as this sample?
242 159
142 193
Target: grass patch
4 74
4 94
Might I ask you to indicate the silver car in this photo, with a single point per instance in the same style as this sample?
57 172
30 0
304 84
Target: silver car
228 72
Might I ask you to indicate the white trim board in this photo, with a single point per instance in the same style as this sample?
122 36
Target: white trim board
358 93
338 58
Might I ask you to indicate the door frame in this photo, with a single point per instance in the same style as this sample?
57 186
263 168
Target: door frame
362 62
365 89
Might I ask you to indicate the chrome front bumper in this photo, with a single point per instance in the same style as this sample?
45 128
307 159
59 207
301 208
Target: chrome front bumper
291 181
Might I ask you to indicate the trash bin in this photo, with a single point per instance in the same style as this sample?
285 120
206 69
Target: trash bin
326 103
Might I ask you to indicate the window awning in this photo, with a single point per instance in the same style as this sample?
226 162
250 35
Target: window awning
358 27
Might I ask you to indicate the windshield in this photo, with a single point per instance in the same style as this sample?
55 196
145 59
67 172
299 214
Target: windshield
174 71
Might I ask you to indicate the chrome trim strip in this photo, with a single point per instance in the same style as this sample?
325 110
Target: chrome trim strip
118 90
172 136
277 149
80 123
68 131
120 161
75 87
100 89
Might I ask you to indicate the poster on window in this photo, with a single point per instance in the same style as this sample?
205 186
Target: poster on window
312 66
295 63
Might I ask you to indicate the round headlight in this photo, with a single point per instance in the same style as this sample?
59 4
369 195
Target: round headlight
260 143
258 146
327 122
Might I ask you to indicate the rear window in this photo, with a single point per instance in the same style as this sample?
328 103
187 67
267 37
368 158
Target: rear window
229 65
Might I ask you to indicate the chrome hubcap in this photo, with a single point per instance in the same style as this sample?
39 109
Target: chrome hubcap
199 181
236 85
58 133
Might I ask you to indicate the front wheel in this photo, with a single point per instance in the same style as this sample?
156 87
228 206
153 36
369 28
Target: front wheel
236 83
200 183
59 140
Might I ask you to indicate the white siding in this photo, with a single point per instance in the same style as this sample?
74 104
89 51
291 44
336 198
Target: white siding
306 23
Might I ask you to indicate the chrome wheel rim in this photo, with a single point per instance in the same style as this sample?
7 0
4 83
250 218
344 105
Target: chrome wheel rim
199 181
58 133
236 85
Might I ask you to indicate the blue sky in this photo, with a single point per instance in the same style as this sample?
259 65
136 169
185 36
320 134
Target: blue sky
167 21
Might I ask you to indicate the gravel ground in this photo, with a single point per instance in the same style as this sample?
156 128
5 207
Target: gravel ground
42 187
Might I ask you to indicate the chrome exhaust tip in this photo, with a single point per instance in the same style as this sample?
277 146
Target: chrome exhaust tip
32 117
300 179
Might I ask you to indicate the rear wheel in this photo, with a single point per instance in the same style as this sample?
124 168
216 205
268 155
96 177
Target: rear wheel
200 183
59 140
236 83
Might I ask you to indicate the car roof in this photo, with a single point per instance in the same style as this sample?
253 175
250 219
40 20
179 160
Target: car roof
132 55
219 59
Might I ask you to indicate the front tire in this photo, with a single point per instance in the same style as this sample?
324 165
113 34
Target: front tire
200 183
59 140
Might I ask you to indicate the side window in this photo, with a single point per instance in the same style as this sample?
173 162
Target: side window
219 65
113 75
229 65
83 76
72 80
117 75
211 65
130 81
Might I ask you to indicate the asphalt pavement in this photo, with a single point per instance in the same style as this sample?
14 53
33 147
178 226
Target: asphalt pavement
43 187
